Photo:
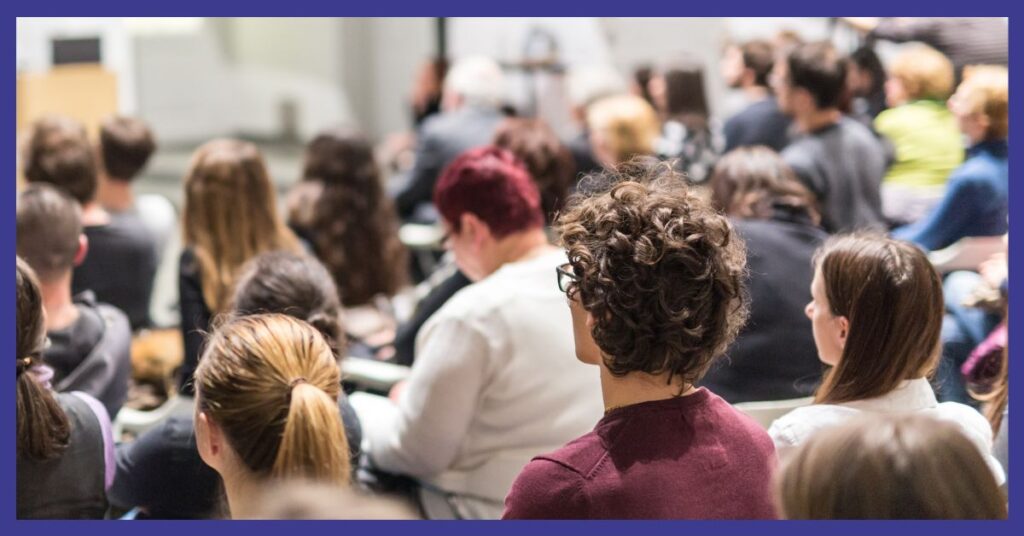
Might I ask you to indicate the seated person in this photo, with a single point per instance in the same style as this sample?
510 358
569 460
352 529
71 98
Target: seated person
689 138
161 471
890 467
922 131
621 127
747 67
64 444
774 357
654 282
876 314
494 382
976 201
90 342
58 152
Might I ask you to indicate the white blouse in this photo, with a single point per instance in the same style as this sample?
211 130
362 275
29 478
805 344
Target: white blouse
795 427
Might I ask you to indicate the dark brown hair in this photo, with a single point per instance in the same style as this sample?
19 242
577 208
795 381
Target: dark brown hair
659 270
889 467
295 285
351 223
58 152
49 225
752 182
126 144
892 297
42 427
820 70
685 98
759 57
549 162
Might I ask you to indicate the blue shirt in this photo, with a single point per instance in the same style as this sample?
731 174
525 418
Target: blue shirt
975 204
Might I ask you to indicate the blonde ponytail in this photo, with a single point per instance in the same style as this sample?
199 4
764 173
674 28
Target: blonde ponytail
314 443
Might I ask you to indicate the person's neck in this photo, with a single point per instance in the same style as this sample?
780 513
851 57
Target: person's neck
637 387
817 119
116 195
93 214
60 308
522 246
241 489
755 93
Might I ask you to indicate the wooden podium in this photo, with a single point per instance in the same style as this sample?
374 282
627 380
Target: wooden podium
86 92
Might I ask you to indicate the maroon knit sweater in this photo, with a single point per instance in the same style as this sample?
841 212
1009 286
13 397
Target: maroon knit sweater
691 457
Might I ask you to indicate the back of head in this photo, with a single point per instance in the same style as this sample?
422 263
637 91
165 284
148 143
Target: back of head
986 90
819 69
58 152
478 80
588 84
126 144
924 72
272 384
892 298
685 98
867 60
43 430
492 184
627 123
550 163
659 271
295 285
755 182
230 214
351 222
889 466
49 226
759 57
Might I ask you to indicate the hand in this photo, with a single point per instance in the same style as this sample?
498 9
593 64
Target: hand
397 390
994 270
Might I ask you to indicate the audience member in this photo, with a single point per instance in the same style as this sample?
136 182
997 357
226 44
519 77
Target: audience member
869 294
621 127
494 381
747 67
58 152
161 471
655 292
426 94
230 217
922 131
587 85
266 407
64 443
889 467
976 201
549 162
837 158
774 357
340 207
471 99
90 342
865 82
687 136
126 145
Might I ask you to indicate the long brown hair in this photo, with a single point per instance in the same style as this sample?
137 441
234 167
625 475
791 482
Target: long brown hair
230 215
352 224
892 297
889 467
752 182
43 428
272 384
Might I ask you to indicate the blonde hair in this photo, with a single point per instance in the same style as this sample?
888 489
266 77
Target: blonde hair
230 215
272 384
924 72
986 90
629 124
889 467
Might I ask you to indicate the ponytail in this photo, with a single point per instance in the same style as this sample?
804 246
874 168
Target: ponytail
314 443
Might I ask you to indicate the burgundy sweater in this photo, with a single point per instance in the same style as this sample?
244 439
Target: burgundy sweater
692 457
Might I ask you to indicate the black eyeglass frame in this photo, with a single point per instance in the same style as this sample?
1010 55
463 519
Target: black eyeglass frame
565 277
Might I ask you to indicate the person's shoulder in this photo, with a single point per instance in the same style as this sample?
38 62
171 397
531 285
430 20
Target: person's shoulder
965 416
799 424
550 486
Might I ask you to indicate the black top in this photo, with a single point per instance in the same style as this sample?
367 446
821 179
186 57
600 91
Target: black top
761 123
843 165
966 41
195 318
774 357
71 345
162 473
120 266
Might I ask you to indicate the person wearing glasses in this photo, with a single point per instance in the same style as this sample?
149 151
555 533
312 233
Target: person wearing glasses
654 285
494 382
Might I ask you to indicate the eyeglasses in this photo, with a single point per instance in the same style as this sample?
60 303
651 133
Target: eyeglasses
566 277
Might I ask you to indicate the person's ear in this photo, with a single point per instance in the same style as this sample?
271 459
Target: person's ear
209 441
83 249
844 330
478 231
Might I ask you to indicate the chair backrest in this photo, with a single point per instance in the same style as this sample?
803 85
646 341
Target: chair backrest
766 412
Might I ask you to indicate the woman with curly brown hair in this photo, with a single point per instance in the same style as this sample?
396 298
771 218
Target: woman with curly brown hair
655 291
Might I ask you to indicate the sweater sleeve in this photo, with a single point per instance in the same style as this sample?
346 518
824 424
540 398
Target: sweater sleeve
195 318
423 437
546 489
947 223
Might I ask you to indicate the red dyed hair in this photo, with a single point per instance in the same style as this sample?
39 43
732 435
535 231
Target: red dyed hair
492 184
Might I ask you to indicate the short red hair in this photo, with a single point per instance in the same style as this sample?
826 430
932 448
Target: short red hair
492 184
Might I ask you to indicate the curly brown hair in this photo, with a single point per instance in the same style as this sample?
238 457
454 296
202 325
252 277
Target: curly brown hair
659 270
